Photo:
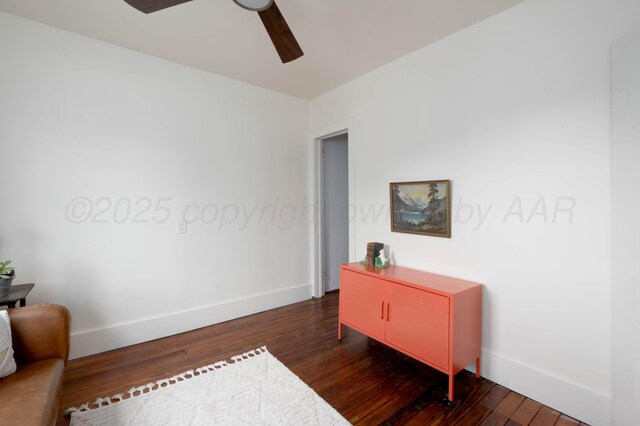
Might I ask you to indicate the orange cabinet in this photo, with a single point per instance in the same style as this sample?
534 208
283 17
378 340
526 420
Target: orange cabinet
366 297
418 322
432 318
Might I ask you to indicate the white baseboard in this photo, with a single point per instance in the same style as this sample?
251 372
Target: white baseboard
90 342
558 393
570 398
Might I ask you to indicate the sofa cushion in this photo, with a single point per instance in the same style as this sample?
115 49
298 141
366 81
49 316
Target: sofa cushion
30 396
7 362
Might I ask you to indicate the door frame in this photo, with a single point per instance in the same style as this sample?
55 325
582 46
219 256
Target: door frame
317 142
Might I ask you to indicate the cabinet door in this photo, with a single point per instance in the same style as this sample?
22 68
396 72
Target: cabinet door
418 322
361 303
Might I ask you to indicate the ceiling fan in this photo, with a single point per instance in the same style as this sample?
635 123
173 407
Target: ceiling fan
283 39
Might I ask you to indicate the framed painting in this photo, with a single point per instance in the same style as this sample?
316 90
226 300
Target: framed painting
422 208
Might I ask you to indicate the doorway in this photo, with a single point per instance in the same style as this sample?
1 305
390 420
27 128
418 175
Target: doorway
335 208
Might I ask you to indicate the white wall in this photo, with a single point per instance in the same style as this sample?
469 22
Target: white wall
515 109
626 230
83 118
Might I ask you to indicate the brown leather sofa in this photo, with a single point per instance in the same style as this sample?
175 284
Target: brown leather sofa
40 336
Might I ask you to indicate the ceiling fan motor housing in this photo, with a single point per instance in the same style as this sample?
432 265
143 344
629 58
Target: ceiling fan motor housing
254 5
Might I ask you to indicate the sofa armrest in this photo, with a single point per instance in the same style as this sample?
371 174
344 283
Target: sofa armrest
40 332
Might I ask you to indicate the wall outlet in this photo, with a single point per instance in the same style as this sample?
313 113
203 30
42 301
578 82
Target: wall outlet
182 228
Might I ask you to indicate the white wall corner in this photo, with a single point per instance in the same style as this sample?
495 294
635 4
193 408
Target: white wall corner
89 342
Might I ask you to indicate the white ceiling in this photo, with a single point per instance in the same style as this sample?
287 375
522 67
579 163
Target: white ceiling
342 39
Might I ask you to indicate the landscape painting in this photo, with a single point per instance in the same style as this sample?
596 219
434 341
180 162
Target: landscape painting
421 207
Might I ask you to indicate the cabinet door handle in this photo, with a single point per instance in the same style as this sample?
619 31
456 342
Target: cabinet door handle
382 310
388 304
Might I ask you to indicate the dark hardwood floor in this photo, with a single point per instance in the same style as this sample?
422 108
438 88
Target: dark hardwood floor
367 382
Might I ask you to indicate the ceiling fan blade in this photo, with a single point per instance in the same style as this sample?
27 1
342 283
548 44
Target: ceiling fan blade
280 33
149 6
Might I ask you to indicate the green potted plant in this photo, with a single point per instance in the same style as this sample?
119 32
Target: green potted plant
7 274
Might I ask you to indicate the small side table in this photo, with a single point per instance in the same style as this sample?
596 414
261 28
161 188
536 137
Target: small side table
17 293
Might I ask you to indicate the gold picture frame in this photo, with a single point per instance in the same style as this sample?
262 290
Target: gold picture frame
422 207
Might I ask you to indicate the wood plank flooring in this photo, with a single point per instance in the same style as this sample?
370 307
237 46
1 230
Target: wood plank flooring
367 382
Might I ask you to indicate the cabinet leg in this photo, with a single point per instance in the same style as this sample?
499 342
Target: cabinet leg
339 330
478 367
450 387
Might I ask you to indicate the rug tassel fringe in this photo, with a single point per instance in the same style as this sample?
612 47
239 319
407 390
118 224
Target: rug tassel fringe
150 387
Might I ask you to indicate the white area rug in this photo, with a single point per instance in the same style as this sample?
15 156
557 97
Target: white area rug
252 389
